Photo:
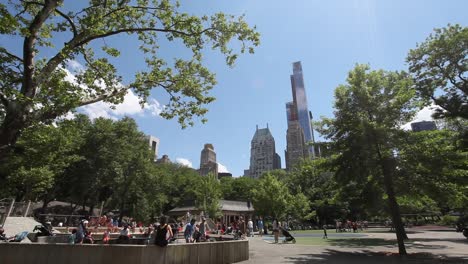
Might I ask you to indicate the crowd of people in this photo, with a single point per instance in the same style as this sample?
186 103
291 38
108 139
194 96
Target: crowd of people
348 226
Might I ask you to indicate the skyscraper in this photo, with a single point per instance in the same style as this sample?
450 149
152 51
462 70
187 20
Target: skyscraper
154 146
263 156
208 162
300 105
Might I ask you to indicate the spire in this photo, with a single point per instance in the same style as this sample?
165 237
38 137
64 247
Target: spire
267 125
257 127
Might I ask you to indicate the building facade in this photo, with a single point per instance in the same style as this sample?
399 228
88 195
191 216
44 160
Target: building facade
423 126
208 162
154 146
300 107
296 149
263 156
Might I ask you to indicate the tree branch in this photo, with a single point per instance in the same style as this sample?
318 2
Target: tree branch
70 21
28 88
11 55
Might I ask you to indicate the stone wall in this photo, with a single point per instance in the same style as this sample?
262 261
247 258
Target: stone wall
198 253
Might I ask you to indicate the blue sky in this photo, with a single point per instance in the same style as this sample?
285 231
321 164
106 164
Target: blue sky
328 37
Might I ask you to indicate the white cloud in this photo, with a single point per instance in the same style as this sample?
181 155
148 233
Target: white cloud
424 114
184 162
130 105
222 168
75 66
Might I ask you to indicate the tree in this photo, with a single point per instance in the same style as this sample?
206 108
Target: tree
42 156
369 111
238 188
33 87
208 192
430 163
439 67
271 197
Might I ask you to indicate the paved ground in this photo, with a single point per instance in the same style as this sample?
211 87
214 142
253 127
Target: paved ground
423 247
15 225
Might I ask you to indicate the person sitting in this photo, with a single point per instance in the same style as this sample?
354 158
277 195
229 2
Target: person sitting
124 234
72 237
2 235
163 232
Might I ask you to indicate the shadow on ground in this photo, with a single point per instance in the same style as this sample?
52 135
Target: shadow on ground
373 242
368 257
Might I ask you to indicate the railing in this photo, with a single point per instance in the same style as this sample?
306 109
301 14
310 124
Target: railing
8 207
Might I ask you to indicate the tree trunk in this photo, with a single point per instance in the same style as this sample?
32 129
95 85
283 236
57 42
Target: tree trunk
10 129
393 205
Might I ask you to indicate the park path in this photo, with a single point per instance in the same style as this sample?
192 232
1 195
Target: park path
425 247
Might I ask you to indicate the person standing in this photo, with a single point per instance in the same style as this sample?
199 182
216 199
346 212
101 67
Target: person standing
260 226
203 229
189 228
250 227
81 232
276 230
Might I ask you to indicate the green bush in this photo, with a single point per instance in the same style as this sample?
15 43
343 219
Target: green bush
448 220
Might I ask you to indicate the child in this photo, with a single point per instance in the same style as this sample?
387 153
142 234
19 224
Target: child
72 237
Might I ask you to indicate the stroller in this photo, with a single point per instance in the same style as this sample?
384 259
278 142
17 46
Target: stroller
287 236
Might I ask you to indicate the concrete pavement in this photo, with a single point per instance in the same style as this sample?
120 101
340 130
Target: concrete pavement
423 247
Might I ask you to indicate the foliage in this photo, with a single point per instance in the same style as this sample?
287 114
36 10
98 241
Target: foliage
369 110
439 67
239 189
431 163
448 220
208 192
34 86
271 197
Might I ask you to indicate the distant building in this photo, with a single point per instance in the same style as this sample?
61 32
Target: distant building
208 162
423 126
165 159
154 145
323 149
224 174
263 156
296 149
298 107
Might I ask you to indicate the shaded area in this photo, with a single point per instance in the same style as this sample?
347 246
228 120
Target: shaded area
364 257
370 242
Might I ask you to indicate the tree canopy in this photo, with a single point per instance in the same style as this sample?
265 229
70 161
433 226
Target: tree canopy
439 66
34 86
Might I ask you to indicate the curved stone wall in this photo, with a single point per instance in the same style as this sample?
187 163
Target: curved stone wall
198 253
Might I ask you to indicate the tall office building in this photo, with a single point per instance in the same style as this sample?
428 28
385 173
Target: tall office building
208 162
300 105
296 149
154 146
263 156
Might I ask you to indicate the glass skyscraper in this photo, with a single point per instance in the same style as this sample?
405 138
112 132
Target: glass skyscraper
300 103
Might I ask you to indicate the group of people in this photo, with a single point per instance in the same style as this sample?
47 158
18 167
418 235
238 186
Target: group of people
196 232
347 226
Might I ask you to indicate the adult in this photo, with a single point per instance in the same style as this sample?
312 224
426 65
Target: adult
188 232
250 227
163 232
260 226
2 235
124 234
276 230
203 228
81 232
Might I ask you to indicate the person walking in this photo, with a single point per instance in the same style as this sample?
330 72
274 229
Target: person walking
260 227
325 236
